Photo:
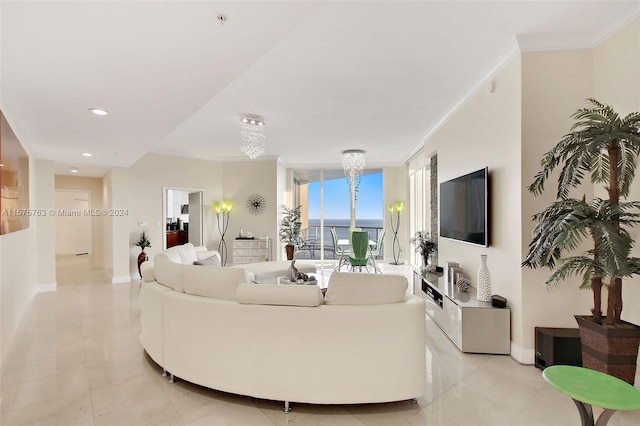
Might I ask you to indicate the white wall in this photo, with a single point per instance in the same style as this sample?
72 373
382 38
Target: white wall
147 177
95 187
486 132
17 279
554 85
119 216
240 180
45 225
106 224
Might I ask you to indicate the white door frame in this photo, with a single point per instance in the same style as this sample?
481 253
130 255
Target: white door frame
164 211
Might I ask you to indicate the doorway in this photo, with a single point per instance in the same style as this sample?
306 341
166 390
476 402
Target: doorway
182 209
73 222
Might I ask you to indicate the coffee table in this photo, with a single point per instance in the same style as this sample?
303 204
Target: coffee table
322 280
588 387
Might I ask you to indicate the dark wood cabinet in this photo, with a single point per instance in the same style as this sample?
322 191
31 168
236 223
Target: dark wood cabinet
557 346
176 238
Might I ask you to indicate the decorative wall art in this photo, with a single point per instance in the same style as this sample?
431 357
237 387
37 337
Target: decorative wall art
256 204
14 181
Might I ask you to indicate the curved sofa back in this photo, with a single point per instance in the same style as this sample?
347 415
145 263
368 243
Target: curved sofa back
364 342
327 354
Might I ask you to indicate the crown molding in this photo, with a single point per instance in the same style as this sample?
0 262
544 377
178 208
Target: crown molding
579 40
554 41
619 21
540 42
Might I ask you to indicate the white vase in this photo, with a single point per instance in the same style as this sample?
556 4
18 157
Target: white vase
484 281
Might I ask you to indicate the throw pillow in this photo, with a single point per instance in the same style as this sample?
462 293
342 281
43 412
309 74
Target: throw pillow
187 253
350 288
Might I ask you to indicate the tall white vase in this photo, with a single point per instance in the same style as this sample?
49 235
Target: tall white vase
484 281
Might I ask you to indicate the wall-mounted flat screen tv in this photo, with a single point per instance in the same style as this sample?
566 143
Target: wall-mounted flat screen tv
464 214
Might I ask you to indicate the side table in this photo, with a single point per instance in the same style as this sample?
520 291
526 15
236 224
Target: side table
589 387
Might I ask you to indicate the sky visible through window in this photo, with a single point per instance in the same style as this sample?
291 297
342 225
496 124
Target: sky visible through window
336 199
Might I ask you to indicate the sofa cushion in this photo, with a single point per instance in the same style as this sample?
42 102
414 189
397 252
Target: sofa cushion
214 282
187 254
351 288
274 294
170 254
169 273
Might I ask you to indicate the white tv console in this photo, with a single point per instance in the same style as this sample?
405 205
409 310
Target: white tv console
472 325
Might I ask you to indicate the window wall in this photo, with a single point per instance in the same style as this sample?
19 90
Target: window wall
325 200
421 194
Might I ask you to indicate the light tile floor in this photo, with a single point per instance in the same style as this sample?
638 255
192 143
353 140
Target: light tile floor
76 360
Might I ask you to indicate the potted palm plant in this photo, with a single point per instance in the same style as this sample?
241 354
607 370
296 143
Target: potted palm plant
290 229
142 242
604 146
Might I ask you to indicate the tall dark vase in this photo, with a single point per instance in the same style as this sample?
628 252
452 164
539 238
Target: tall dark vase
142 257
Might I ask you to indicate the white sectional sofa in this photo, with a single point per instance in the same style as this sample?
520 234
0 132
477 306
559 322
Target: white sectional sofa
188 254
362 342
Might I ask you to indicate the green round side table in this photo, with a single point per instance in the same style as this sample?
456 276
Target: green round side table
588 387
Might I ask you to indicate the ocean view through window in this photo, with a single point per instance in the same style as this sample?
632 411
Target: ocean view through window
326 196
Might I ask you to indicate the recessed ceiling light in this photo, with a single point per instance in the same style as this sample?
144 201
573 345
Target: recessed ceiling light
1 165
74 170
98 111
87 154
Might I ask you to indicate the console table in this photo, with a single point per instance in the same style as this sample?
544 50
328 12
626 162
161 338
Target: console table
471 325
251 251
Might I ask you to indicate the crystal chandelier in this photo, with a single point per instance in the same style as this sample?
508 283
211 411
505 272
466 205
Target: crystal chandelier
353 164
252 137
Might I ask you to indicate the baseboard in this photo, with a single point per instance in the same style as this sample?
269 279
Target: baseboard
120 279
523 356
42 288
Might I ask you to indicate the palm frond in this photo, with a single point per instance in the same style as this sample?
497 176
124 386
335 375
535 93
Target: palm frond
575 265
600 166
626 167
561 227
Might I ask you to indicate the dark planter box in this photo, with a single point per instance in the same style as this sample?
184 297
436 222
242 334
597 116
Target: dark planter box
610 350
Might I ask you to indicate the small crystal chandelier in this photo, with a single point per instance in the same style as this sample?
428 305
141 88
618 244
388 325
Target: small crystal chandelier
252 136
353 164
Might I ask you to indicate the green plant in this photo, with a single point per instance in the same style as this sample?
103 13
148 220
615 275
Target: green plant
604 146
143 241
425 245
290 225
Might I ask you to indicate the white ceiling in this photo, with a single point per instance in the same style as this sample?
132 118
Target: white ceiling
326 76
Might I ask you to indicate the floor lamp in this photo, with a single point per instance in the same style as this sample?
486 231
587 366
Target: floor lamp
396 209
222 208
